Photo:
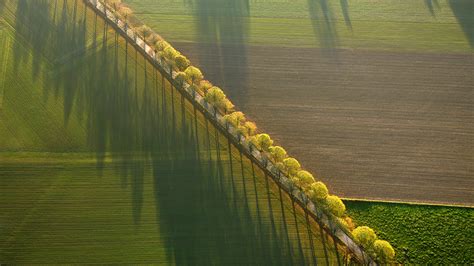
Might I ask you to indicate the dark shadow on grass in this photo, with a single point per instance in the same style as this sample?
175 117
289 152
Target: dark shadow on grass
222 32
431 5
130 119
198 217
323 21
33 27
2 5
463 10
345 13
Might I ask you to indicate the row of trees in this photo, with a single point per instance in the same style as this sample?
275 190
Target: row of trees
300 179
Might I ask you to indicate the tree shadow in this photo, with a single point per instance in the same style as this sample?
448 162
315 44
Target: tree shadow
135 119
198 216
222 32
32 26
431 5
2 5
323 21
345 13
463 10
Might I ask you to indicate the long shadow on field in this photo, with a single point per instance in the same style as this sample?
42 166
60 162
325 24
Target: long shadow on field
33 25
323 21
198 217
56 34
463 10
2 5
131 120
90 82
431 5
222 31
345 13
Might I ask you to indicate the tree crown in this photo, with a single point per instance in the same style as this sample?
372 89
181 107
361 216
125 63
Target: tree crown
161 45
204 86
194 75
318 191
250 127
235 119
215 96
263 141
182 62
180 78
144 30
365 236
291 165
278 153
227 105
384 251
335 205
305 178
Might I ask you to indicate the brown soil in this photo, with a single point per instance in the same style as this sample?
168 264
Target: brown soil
374 125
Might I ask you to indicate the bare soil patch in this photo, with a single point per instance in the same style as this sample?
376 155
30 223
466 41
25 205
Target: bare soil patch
372 125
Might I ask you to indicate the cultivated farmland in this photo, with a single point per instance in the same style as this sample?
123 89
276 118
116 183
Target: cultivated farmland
374 97
103 161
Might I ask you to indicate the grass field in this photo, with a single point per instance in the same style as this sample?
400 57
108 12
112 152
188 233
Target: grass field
363 24
382 113
420 234
102 162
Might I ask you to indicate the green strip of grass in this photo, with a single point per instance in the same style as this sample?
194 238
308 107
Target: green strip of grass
420 234
406 25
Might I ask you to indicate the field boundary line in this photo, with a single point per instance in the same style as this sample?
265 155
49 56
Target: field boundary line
410 203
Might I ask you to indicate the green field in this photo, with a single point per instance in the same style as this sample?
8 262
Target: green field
397 25
101 161
420 234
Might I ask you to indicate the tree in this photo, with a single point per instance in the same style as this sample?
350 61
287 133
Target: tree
162 45
318 191
250 128
305 179
169 54
235 119
180 78
335 205
144 31
343 222
263 141
114 3
215 96
228 106
125 12
278 154
193 75
292 166
204 86
152 39
182 62
349 222
383 251
365 236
